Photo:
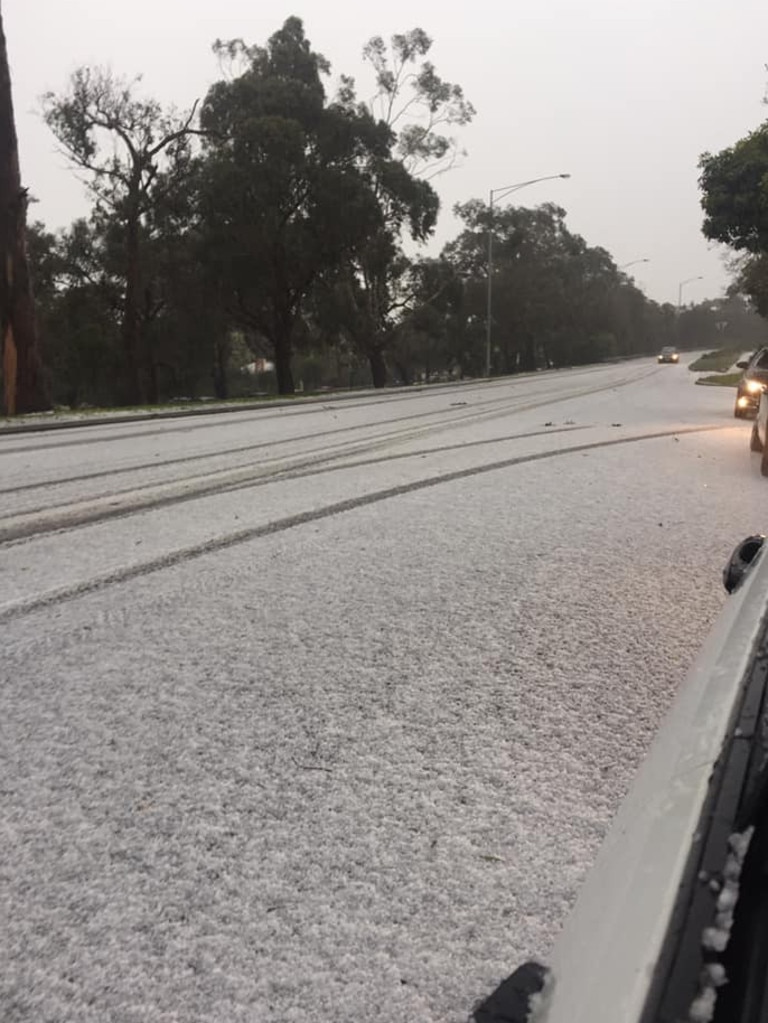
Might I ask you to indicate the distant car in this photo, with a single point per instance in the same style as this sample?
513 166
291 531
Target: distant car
753 382
669 355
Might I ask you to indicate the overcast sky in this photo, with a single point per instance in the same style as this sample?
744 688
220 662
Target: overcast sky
622 94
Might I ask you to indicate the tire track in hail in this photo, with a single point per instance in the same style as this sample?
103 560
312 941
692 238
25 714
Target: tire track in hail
301 469
264 410
76 514
243 448
15 610
316 409
269 411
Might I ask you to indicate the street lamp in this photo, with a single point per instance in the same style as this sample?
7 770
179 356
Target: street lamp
495 195
680 287
633 262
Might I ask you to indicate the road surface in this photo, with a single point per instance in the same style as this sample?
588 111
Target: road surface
320 713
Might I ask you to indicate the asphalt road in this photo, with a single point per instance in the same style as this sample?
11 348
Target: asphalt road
320 713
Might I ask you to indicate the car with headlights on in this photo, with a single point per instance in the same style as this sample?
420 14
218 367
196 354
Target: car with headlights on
669 355
753 381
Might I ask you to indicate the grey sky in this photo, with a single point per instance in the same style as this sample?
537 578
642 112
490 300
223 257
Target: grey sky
622 94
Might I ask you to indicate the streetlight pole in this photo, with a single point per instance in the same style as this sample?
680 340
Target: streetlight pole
632 262
495 195
680 287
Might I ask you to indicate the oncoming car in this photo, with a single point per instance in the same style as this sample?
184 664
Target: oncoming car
753 381
669 355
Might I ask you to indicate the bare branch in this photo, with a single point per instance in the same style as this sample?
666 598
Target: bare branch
181 132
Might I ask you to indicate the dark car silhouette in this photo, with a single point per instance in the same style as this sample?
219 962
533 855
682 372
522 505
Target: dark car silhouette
669 355
753 381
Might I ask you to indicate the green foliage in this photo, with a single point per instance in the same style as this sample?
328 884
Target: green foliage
728 323
416 103
370 302
734 185
280 235
286 194
136 156
79 326
750 278
556 300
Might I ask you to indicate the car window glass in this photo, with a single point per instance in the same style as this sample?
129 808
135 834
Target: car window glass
762 361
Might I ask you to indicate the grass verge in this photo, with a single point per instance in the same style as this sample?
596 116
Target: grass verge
716 362
723 380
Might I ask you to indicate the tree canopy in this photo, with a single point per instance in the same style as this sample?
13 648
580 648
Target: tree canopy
270 237
286 194
734 187
135 156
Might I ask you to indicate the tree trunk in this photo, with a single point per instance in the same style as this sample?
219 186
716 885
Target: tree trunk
132 387
403 373
220 378
153 388
283 371
24 388
378 367
528 356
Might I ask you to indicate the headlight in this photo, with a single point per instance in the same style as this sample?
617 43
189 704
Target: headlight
742 402
754 386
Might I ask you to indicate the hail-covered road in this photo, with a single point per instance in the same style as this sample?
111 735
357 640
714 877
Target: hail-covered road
319 713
